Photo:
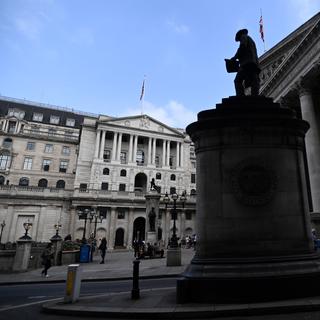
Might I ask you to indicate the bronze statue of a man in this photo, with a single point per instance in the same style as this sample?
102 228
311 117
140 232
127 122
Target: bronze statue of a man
248 73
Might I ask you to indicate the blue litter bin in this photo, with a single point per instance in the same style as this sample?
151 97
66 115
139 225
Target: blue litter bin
85 253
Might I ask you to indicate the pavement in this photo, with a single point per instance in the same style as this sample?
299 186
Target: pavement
153 303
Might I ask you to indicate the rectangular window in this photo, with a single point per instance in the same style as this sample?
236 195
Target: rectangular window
193 178
83 186
123 157
66 150
37 117
27 164
107 156
193 165
140 157
188 215
63 166
157 160
122 187
121 214
54 119
12 126
104 186
70 122
48 148
46 164
31 145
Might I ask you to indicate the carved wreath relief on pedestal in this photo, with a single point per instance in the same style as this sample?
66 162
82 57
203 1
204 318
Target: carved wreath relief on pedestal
253 182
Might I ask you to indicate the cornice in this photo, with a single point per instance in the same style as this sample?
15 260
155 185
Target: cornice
289 65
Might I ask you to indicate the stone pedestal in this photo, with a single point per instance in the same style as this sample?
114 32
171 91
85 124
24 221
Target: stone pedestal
57 248
22 257
174 257
152 205
252 212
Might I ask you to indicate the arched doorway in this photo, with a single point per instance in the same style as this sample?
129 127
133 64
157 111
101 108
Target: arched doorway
139 229
140 182
119 241
159 236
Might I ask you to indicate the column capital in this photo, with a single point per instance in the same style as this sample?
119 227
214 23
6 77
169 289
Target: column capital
303 87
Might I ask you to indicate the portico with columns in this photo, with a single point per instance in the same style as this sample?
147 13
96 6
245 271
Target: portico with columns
118 158
291 75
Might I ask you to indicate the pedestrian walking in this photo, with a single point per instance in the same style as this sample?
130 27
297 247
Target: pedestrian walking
46 256
103 249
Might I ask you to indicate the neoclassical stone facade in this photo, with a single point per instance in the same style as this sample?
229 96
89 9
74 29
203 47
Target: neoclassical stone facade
55 163
290 75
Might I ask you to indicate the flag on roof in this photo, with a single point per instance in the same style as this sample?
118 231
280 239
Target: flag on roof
142 91
261 28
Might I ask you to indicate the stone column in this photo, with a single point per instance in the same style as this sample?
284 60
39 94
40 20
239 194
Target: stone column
103 141
97 146
119 146
312 142
181 156
22 257
178 155
130 227
135 146
168 154
72 226
163 153
112 228
130 148
114 146
182 223
167 227
149 151
154 144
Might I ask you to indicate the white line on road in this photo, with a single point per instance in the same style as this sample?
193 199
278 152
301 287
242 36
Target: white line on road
28 304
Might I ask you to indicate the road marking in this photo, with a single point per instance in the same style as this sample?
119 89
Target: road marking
37 297
28 304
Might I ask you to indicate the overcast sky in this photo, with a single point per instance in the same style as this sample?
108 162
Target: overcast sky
92 55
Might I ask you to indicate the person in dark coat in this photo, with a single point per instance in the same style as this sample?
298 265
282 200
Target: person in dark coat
103 249
249 64
46 256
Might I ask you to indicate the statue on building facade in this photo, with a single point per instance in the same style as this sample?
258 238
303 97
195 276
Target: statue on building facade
245 62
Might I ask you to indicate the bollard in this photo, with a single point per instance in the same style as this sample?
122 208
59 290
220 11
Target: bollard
73 284
135 292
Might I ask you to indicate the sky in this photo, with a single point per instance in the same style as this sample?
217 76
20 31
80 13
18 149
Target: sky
92 55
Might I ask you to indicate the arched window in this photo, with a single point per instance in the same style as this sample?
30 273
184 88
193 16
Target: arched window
60 184
7 143
193 192
2 180
106 171
172 190
158 176
173 177
24 182
123 173
43 183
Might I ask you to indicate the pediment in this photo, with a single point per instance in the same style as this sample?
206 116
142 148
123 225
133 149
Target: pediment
142 122
287 54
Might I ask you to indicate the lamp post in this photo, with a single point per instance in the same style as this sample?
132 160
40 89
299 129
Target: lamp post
83 214
95 215
3 224
27 226
174 197
57 227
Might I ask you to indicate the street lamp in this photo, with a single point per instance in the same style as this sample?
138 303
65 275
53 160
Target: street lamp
95 215
57 227
27 226
174 197
83 214
3 224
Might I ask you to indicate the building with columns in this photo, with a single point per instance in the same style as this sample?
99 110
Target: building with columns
291 75
55 163
118 158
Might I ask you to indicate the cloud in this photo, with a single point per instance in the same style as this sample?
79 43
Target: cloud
173 114
178 28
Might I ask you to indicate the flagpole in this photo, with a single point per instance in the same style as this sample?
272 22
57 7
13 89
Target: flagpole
142 94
